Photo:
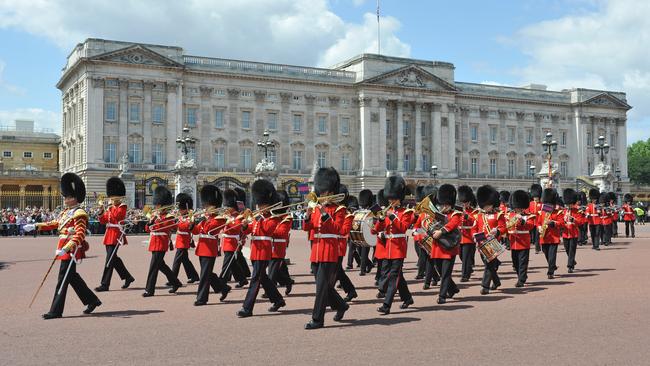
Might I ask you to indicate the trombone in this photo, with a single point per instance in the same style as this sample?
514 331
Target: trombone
312 198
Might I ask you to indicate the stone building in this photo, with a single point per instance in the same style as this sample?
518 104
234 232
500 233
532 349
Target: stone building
29 166
368 116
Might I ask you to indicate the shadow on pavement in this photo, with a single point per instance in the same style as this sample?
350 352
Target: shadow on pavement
5 265
385 320
521 290
436 307
483 298
117 314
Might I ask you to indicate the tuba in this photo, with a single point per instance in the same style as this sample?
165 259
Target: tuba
435 221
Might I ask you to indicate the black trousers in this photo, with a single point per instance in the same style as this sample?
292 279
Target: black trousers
615 228
158 264
231 267
594 232
550 252
423 257
208 279
364 262
447 285
260 278
431 273
380 270
326 293
243 264
353 255
520 262
182 257
607 234
582 239
467 254
343 278
279 272
490 274
570 246
78 285
395 281
629 228
534 239
116 263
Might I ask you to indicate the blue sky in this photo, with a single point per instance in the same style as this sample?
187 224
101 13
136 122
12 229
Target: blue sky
511 42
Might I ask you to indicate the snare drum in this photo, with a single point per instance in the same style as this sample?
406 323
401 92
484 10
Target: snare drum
490 248
361 234
428 226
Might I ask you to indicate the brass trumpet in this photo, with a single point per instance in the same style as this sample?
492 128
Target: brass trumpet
312 198
162 208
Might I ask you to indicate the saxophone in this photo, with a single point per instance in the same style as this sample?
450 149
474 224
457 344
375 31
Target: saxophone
546 211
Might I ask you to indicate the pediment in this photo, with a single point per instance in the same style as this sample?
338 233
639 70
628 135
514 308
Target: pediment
411 77
137 54
606 100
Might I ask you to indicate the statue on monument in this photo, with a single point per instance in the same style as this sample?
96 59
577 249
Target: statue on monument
124 164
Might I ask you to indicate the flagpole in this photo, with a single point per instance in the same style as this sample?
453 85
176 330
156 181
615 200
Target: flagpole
378 32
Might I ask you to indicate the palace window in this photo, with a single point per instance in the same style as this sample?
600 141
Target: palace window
322 158
511 135
563 138
529 163
511 167
272 156
111 111
135 152
27 154
272 121
218 118
529 136
474 166
220 157
388 128
493 134
322 124
158 113
589 141
246 119
423 129
407 163
297 122
191 151
190 116
612 140
345 162
110 155
6 154
474 133
406 127
158 154
345 126
456 131
493 167
457 164
246 158
47 155
388 162
134 112
589 166
564 168
425 163
297 160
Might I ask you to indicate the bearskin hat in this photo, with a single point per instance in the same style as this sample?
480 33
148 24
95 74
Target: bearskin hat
594 194
446 195
504 197
326 180
283 197
115 187
395 188
352 203
628 198
230 199
344 189
603 199
519 199
241 195
73 186
162 196
612 196
211 196
381 198
549 196
264 192
366 199
419 196
535 190
570 196
466 194
487 195
582 196
560 202
184 201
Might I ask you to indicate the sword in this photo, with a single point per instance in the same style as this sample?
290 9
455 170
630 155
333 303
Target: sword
73 258
42 282
119 242
234 256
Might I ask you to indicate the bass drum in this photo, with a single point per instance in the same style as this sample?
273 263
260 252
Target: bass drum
361 234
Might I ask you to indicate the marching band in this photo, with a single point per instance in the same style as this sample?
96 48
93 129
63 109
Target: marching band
487 221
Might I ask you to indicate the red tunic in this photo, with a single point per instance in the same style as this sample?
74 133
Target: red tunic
552 234
519 234
113 218
606 217
184 231
72 225
231 235
628 212
281 237
395 231
467 227
485 222
208 231
454 220
534 207
262 237
325 247
418 233
160 232
343 241
593 216
572 228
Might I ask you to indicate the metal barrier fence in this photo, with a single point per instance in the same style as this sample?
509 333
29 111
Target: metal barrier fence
28 198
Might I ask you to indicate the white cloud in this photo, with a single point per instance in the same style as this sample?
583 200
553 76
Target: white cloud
43 119
602 49
4 86
302 32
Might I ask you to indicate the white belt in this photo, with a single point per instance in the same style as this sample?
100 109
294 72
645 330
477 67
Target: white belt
395 236
279 240
230 236
182 233
327 236
158 233
466 227
207 236
262 238
519 232
114 225
64 236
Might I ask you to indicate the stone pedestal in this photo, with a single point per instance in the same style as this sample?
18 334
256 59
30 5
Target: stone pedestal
185 180
265 169
129 185
602 177
551 180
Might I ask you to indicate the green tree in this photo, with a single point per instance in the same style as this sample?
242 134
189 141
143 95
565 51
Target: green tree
638 162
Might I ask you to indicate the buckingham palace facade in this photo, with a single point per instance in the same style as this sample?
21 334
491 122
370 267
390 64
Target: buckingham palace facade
368 116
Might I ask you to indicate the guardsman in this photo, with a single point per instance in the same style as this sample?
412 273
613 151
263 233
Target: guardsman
573 219
185 230
504 199
533 209
393 226
243 264
380 248
550 220
606 219
207 248
71 248
431 274
113 218
160 227
327 220
366 201
593 217
467 244
418 235
491 222
613 199
278 269
263 227
520 224
341 276
628 215
584 228
231 240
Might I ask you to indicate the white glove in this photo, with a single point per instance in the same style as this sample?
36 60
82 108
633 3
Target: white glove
60 252
29 228
312 204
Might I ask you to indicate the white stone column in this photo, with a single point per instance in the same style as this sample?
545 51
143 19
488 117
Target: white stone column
418 137
451 129
123 121
400 137
95 121
172 121
365 125
436 135
381 159
146 123
621 146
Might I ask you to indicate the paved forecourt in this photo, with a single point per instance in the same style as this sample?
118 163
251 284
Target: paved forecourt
597 315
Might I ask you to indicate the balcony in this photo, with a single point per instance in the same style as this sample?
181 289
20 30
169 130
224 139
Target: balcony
30 174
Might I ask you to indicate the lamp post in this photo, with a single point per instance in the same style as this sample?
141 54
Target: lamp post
265 144
549 146
434 173
531 169
185 142
601 148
